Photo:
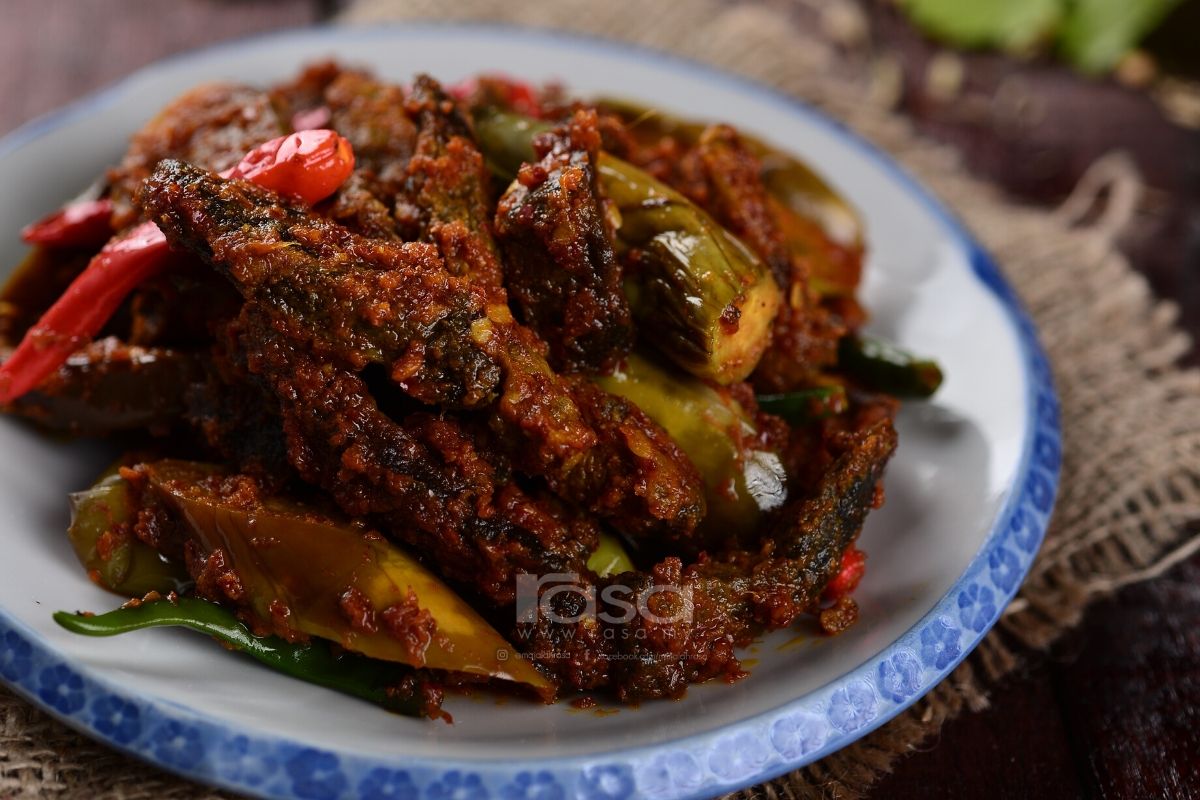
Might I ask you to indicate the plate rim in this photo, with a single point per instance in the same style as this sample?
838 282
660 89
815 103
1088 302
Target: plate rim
739 754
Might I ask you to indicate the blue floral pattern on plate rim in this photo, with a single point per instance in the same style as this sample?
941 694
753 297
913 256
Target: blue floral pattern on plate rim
753 750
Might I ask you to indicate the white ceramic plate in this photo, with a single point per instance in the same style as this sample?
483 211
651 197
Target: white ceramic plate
969 493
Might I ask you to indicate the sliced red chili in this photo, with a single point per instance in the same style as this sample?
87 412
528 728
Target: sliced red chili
854 564
87 223
308 165
81 312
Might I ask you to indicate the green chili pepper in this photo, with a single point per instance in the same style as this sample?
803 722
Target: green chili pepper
704 298
742 479
816 222
805 405
609 557
883 367
706 301
506 140
101 535
349 673
314 563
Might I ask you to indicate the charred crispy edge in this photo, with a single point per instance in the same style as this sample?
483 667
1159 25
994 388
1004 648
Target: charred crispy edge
844 496
212 125
447 191
424 479
584 316
301 263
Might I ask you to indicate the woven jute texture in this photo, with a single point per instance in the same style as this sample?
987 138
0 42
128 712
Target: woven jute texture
1131 418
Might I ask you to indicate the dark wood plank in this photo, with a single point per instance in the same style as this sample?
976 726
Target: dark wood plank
1113 711
57 50
1131 693
1018 748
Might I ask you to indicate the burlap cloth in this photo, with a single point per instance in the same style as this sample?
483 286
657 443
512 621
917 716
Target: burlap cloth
1131 418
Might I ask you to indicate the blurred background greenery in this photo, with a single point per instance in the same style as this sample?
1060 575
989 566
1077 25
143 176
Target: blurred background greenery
1094 36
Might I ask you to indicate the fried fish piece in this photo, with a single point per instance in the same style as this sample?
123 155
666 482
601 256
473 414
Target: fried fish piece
445 340
355 299
213 125
447 197
692 618
423 476
109 386
561 268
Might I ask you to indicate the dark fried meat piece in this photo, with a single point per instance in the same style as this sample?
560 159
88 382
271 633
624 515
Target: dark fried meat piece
608 457
561 269
364 301
703 612
721 175
447 199
109 386
371 114
423 478
636 476
182 307
351 298
358 207
236 414
737 596
211 126
628 471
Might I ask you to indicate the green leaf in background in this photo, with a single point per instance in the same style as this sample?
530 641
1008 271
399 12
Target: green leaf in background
1092 35
1096 33
1006 24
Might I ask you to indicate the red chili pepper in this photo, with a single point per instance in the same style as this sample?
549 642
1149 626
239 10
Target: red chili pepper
517 95
309 165
854 564
83 308
524 99
87 223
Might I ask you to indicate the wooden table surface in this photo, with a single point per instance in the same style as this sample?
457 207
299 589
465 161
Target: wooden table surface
1112 711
